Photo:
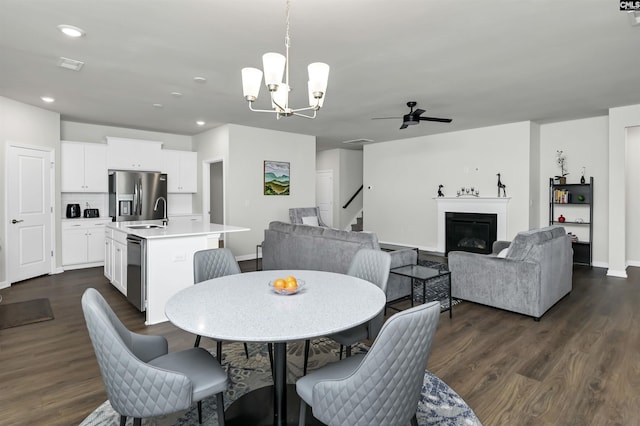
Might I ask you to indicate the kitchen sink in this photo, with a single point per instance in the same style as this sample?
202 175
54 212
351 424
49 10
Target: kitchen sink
145 226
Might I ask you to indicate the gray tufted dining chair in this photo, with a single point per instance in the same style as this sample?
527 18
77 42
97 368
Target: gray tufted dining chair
141 378
373 266
214 263
381 387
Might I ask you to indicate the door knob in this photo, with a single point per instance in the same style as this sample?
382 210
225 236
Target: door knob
16 221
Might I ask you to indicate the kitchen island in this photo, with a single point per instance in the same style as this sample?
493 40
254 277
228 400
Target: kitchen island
164 264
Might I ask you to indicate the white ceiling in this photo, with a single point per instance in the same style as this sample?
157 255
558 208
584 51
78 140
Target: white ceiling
480 62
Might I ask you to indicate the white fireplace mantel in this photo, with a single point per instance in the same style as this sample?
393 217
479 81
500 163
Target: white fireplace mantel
470 204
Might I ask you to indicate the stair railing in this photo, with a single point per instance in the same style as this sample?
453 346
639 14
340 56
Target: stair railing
353 196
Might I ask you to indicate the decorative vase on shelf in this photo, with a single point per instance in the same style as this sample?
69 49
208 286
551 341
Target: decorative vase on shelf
582 181
561 219
562 180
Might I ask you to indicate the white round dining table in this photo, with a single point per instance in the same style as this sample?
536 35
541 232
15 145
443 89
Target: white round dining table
244 308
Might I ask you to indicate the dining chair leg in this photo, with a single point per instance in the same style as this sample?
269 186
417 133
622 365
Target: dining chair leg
414 420
197 343
341 347
123 420
307 346
303 413
220 408
246 350
348 351
137 421
219 351
200 412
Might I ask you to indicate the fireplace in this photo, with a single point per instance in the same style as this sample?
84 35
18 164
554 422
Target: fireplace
472 232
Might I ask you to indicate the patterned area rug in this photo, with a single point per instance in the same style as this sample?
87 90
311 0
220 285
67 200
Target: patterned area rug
437 289
439 404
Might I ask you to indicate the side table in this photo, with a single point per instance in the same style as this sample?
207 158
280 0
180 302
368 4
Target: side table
424 275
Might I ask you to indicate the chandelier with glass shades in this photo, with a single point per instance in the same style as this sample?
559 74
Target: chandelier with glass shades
275 65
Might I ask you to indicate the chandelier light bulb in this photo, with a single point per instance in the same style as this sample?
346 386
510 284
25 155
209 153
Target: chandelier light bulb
251 79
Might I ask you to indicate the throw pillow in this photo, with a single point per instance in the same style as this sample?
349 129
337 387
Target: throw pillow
310 220
503 252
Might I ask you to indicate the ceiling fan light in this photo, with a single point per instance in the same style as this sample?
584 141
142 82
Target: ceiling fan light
318 76
313 100
251 79
273 65
409 120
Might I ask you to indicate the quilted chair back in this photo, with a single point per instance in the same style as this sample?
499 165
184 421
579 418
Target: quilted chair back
134 388
386 387
373 266
214 263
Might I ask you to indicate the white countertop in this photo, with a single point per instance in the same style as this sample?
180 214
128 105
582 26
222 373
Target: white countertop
243 307
177 229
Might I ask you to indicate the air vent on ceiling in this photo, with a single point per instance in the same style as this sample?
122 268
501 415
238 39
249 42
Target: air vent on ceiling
358 141
70 64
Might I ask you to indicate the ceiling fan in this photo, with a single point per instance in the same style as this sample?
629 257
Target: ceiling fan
414 117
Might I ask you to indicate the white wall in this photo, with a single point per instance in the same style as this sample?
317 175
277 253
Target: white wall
633 201
401 179
244 150
620 119
585 143
28 125
82 132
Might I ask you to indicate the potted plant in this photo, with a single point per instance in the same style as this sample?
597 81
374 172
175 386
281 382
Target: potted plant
561 160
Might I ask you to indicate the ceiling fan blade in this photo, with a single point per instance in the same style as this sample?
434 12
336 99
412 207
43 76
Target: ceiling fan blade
440 120
418 112
404 126
386 118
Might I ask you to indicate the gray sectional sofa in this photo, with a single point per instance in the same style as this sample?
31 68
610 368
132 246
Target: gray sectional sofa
534 274
292 246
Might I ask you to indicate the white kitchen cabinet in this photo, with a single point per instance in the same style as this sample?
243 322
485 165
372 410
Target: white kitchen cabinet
181 170
83 243
119 276
108 254
84 167
134 154
185 218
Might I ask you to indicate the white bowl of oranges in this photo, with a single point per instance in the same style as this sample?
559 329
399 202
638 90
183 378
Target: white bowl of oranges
287 285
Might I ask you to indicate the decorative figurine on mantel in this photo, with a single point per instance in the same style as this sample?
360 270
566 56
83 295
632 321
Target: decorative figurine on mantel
582 181
440 193
501 186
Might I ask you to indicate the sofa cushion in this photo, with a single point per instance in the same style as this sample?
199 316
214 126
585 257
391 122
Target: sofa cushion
524 241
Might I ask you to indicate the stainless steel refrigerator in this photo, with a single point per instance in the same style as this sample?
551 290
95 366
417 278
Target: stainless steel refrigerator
133 195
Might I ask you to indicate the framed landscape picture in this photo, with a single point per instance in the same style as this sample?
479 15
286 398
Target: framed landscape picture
276 178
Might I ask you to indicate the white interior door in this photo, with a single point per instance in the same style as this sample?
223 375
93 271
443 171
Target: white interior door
324 195
29 212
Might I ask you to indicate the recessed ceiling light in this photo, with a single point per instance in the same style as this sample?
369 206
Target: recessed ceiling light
200 123
176 94
71 31
158 106
70 64
47 99
199 79
358 141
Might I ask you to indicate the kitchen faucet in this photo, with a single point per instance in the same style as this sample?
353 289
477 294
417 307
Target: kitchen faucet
165 219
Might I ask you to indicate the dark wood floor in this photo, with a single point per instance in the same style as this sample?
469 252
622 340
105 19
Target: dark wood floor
580 365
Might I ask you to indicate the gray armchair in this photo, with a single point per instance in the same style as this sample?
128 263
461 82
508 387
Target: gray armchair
382 387
300 215
535 273
141 378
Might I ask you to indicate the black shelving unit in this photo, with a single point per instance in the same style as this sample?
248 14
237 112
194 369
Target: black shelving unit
565 200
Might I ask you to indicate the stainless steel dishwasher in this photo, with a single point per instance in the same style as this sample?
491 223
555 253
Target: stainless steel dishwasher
137 271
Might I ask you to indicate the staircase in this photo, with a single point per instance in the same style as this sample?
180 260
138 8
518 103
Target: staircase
358 226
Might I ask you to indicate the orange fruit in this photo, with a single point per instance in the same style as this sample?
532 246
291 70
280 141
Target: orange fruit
279 284
291 285
291 279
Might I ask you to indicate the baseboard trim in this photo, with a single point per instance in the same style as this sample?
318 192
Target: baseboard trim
4 284
616 273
